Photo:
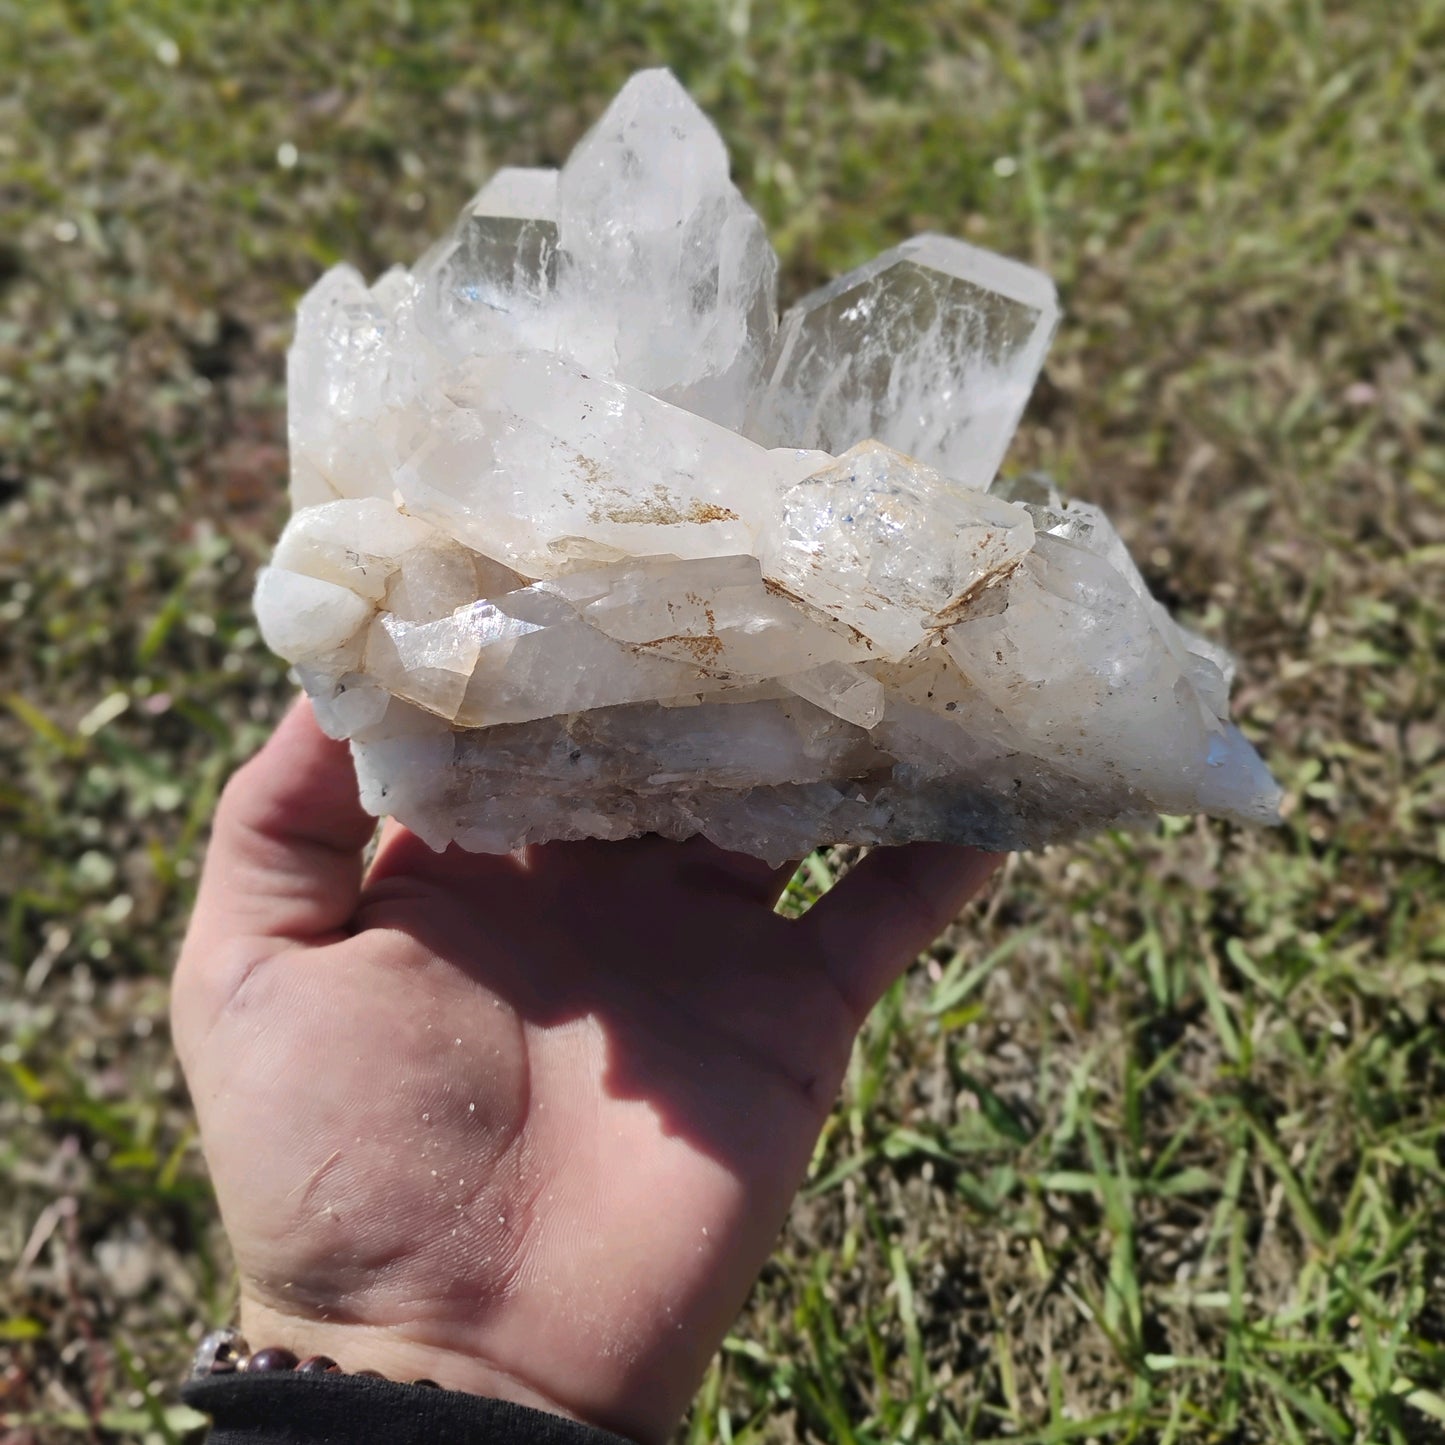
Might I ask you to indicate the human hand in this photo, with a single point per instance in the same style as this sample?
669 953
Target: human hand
525 1125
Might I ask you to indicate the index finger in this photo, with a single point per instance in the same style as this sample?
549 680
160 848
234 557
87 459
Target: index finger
888 909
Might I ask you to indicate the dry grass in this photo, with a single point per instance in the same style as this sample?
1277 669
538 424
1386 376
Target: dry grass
1153 1149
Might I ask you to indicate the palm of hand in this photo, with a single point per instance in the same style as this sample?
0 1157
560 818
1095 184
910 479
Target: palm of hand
530 1124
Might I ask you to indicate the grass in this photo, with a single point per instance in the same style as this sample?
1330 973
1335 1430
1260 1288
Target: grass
1152 1146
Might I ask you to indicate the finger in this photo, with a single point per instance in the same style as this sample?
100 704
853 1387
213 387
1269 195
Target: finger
285 854
888 909
694 866
705 868
402 857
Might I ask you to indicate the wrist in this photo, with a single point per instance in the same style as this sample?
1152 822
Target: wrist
393 1355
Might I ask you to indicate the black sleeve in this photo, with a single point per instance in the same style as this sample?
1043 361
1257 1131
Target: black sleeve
289 1409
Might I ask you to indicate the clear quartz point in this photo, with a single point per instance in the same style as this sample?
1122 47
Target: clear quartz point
504 256
585 545
932 347
488 281
668 281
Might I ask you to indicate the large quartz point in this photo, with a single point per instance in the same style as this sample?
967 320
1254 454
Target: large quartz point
932 347
585 544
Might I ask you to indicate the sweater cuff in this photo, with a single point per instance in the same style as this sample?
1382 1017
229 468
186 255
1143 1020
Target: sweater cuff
289 1409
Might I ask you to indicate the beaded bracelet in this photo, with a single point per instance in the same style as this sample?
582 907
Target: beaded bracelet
225 1352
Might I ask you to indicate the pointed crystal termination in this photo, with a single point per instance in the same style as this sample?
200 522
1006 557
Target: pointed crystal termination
579 550
500 259
667 275
932 347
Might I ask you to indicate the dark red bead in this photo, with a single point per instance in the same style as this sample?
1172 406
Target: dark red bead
427 1384
274 1357
370 1374
317 1365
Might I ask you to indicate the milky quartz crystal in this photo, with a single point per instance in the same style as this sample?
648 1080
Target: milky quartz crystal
585 543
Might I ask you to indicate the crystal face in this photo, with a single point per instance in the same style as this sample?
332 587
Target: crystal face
500 257
585 544
932 347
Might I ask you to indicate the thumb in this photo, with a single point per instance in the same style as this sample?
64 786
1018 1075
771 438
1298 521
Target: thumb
285 855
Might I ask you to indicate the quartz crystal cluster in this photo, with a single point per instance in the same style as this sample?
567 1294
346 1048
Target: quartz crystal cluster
587 543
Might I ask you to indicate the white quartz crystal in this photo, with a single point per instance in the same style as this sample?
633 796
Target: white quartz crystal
586 544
